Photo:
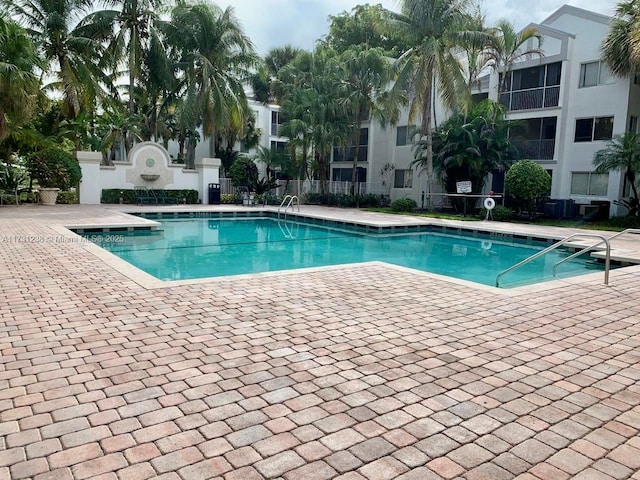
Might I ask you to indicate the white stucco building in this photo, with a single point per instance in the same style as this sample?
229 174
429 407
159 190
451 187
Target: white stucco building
568 100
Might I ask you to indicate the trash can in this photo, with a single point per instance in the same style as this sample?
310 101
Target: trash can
214 194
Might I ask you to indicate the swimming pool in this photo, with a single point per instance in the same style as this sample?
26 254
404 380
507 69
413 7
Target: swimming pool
211 247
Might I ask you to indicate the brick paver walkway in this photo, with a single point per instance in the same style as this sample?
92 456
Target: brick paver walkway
361 372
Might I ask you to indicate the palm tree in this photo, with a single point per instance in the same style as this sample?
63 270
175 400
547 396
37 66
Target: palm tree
216 57
621 47
622 153
474 48
435 29
275 60
508 46
18 83
136 23
470 146
70 39
312 84
364 74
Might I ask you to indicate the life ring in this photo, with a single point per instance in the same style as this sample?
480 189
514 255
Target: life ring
489 203
486 245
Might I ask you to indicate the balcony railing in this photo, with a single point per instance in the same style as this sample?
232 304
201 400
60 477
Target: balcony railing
340 155
534 149
543 97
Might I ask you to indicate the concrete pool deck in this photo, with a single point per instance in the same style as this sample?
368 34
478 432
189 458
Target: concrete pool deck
353 372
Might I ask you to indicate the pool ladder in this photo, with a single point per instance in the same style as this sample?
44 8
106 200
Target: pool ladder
290 201
602 239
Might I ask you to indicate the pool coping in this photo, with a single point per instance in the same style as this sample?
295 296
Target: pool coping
140 221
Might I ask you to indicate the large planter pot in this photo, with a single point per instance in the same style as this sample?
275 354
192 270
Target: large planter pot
48 196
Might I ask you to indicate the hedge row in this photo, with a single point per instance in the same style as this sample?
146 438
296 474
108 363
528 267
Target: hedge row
113 195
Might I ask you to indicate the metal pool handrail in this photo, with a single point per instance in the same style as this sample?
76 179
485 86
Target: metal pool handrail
291 199
588 249
558 245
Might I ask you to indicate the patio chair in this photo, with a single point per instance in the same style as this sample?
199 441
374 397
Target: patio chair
162 197
143 195
4 194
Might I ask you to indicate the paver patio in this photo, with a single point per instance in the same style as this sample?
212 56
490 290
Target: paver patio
353 372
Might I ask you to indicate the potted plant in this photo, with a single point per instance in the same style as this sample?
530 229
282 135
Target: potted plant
54 169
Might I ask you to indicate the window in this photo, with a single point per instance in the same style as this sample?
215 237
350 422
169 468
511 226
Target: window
345 174
633 124
403 179
404 135
595 73
534 87
534 138
587 183
593 129
280 147
342 154
275 123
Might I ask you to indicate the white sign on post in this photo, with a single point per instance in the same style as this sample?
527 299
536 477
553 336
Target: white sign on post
463 187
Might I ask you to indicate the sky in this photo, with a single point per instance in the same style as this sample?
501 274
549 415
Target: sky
274 23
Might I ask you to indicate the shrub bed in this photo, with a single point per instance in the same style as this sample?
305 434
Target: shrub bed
113 195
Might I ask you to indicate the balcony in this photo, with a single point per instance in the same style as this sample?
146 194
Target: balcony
534 149
339 154
543 97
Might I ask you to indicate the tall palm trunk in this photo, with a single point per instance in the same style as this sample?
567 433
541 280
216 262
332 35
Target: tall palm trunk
354 172
427 131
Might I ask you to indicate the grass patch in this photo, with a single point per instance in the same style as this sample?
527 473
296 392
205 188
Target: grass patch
616 224
442 216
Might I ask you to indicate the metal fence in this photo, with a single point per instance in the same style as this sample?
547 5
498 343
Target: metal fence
300 187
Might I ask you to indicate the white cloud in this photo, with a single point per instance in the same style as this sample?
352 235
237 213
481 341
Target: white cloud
272 23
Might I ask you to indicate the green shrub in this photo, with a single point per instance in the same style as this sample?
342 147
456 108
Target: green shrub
499 213
113 195
54 167
404 205
243 172
67 198
528 184
230 199
370 200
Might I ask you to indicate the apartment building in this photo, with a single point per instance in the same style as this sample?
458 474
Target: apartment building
568 101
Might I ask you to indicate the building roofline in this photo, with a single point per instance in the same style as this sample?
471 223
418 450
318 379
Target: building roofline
578 12
550 31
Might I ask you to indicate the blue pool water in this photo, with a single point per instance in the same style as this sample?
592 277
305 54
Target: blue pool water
201 247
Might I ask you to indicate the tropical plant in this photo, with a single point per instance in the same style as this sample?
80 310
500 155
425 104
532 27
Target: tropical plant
243 172
363 27
70 37
18 82
264 82
621 47
468 148
528 184
316 122
54 167
435 30
507 46
622 153
271 158
264 185
136 37
364 74
216 57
